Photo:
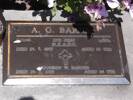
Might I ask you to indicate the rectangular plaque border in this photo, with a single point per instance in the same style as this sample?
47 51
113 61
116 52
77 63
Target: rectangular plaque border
123 73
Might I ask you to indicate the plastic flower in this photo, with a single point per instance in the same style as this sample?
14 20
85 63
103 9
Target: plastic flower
96 11
50 3
127 3
113 3
129 6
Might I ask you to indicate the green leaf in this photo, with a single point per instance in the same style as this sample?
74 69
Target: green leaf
68 9
54 10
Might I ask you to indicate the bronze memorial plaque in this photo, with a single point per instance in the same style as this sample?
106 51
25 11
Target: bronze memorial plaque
63 53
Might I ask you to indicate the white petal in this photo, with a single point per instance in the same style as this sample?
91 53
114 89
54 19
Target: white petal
113 3
96 15
50 3
86 10
19 1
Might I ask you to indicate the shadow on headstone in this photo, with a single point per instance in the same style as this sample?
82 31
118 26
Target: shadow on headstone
27 98
43 14
84 27
10 4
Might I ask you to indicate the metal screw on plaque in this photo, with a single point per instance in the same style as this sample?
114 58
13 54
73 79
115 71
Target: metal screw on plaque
65 56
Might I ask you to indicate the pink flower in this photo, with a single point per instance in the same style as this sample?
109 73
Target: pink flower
96 11
127 3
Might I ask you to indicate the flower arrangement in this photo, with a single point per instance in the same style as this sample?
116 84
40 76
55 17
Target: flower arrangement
99 11
94 9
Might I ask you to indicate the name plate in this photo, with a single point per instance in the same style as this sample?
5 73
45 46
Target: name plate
63 53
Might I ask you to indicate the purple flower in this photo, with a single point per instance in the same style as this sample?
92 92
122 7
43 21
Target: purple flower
96 11
113 3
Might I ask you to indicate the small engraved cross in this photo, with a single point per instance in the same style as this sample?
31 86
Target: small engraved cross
65 56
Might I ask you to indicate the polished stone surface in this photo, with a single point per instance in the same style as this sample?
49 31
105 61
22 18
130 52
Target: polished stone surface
74 92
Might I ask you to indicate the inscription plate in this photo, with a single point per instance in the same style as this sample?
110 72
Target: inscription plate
64 53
